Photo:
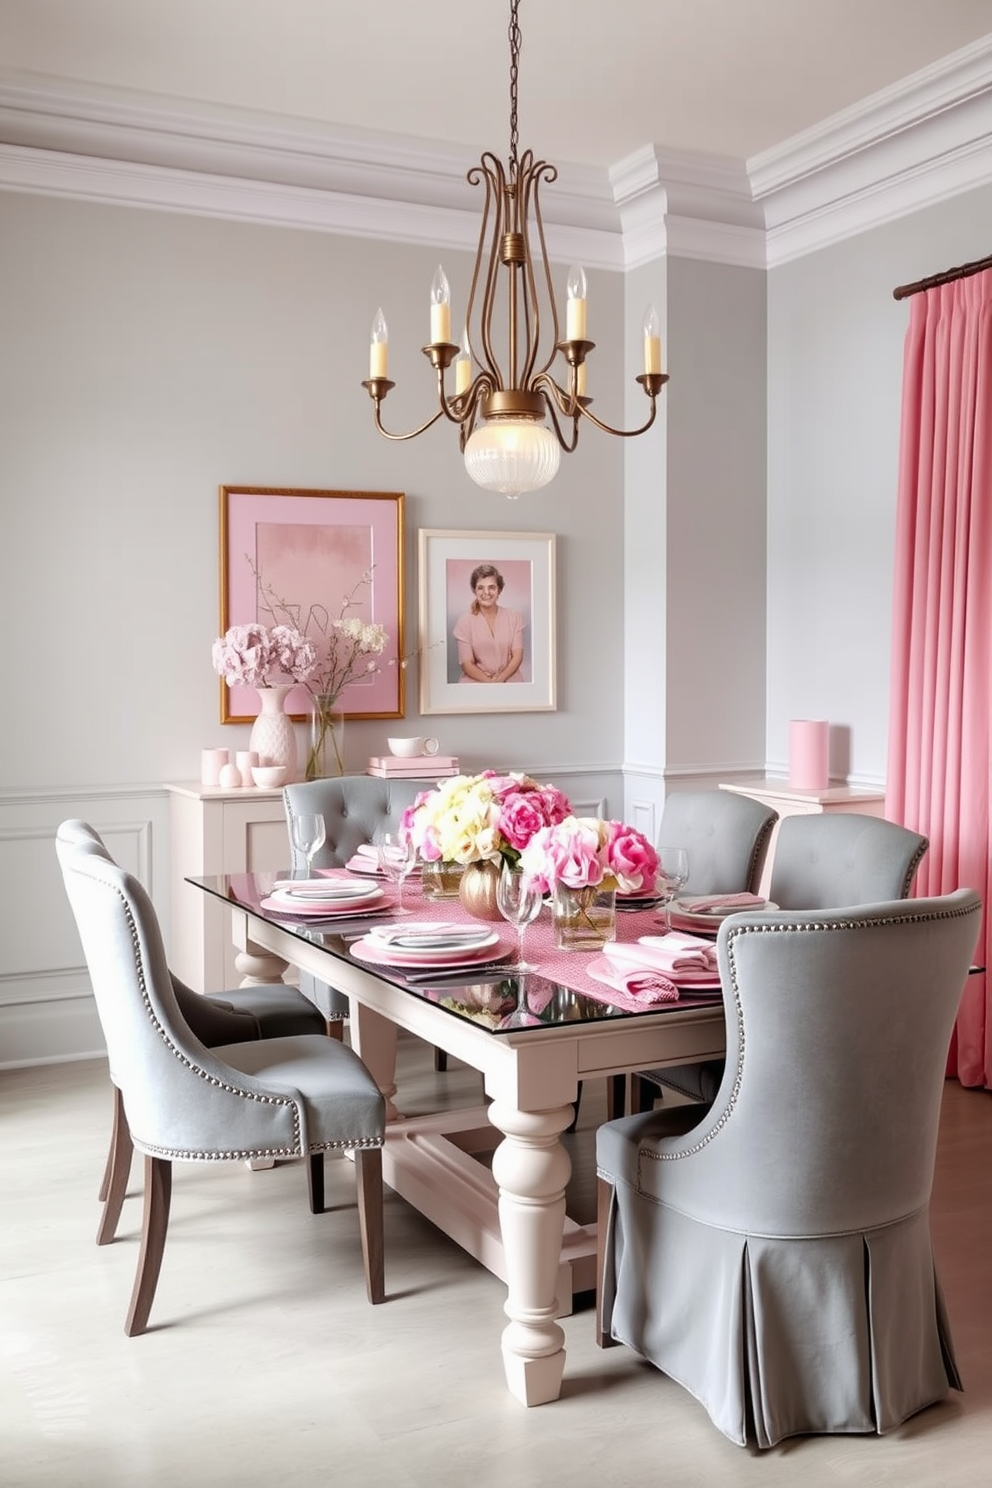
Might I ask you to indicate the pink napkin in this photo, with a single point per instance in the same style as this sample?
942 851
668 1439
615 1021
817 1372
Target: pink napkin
704 902
682 958
643 986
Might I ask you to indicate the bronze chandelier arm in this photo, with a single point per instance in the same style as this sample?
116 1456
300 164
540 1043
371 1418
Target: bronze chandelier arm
398 437
555 401
623 433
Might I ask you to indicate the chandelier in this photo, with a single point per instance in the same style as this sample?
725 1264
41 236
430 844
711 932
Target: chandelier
504 396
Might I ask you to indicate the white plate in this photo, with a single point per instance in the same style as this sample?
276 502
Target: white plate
427 935
286 905
329 889
369 949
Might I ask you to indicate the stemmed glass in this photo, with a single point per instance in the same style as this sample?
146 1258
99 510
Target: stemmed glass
397 854
673 874
519 902
309 834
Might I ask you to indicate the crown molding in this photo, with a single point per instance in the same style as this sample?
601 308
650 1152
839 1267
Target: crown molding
920 142
687 205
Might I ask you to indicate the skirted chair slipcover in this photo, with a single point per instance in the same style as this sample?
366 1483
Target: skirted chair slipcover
289 1097
776 1258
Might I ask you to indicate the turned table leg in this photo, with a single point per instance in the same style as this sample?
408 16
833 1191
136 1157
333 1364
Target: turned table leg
532 1168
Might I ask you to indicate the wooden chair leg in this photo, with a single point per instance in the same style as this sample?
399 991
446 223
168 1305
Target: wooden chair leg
315 1182
368 1176
116 1174
158 1197
645 1093
604 1302
616 1097
440 1060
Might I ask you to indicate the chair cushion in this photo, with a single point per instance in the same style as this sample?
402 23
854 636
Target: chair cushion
342 1105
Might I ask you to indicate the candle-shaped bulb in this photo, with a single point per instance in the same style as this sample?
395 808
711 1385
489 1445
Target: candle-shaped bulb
379 349
652 340
440 307
575 304
463 366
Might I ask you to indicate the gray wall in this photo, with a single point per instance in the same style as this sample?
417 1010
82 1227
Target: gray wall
149 358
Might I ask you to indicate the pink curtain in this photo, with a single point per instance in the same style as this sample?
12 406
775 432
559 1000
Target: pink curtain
939 760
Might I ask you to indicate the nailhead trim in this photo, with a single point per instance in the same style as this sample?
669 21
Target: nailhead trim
192 1155
908 918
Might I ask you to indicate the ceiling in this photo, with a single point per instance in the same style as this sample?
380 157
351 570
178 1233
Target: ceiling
598 78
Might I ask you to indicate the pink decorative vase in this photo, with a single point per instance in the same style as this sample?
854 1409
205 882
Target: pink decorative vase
273 737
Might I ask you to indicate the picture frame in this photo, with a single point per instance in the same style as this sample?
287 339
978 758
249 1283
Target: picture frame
524 562
315 547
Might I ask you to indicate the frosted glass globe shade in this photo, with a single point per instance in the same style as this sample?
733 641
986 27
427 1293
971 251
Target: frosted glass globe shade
512 455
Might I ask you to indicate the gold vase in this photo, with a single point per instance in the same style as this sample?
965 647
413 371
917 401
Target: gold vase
477 890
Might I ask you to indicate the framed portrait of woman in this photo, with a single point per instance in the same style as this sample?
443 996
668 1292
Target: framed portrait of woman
487 621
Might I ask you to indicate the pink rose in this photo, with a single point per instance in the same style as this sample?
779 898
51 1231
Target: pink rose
630 858
520 817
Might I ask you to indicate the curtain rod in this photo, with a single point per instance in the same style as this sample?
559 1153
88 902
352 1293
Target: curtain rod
947 277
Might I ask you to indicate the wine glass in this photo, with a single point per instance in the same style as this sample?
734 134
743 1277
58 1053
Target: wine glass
309 833
519 901
673 874
397 854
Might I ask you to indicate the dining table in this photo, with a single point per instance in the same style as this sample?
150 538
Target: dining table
534 1036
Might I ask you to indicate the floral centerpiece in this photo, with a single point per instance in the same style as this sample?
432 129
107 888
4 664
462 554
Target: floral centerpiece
481 822
487 818
583 861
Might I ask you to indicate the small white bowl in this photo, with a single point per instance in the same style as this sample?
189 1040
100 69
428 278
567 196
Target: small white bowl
269 777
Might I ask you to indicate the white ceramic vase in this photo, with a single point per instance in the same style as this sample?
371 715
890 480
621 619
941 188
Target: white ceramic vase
273 737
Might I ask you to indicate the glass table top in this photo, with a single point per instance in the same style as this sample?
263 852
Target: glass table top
497 1001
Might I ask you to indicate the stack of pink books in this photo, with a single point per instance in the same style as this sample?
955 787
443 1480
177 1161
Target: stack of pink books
415 767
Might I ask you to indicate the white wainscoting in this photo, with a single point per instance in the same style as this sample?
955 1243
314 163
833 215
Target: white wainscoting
47 1012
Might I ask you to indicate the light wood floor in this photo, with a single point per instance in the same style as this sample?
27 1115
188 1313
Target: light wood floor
265 1365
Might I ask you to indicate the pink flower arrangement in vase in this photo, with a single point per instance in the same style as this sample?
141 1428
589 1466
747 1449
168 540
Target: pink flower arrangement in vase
481 822
583 861
487 818
271 660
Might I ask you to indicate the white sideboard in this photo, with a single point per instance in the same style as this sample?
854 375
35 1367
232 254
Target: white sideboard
216 831
788 801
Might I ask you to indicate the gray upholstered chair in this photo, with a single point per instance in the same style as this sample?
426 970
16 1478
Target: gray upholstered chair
354 808
288 1097
262 1011
821 861
725 835
776 1259
838 857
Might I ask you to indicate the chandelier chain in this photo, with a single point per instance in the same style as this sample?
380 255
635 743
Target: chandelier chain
514 34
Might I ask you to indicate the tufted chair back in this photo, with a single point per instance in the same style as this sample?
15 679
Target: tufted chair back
725 835
836 858
354 807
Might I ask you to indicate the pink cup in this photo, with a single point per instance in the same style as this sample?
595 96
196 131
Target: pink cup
212 761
